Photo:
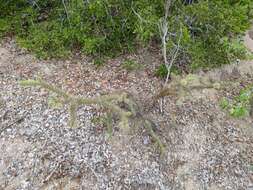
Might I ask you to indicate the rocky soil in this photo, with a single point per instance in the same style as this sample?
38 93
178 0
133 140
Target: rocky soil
205 148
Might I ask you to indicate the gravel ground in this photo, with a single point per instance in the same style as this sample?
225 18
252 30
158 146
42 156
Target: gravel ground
205 148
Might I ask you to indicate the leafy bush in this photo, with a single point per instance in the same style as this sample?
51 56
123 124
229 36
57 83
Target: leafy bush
215 25
240 106
162 71
210 29
98 62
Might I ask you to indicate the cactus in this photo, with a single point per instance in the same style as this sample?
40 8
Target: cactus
119 103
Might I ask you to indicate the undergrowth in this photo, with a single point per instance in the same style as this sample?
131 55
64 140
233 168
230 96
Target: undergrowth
162 71
241 105
131 65
210 29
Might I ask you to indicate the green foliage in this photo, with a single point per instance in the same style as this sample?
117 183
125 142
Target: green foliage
239 111
235 49
54 28
98 62
240 106
224 103
210 29
215 25
249 56
54 102
131 65
4 27
162 71
106 121
9 20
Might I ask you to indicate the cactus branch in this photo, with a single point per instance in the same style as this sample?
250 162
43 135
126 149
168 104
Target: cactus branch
107 101
112 102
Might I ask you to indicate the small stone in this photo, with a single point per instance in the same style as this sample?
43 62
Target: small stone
146 140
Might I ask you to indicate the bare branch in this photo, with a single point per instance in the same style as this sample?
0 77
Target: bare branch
169 66
66 11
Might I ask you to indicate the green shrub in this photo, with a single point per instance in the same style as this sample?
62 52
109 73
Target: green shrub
210 29
4 27
215 25
240 106
98 62
162 71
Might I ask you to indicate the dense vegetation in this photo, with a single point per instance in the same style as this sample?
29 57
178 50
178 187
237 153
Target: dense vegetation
208 31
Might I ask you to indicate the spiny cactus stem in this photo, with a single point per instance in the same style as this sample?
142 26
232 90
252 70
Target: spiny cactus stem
58 91
107 101
148 126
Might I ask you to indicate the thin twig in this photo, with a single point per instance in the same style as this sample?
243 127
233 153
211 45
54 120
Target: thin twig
169 66
52 173
3 117
66 11
139 16
13 123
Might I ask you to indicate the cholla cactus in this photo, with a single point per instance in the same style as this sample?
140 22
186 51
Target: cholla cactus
107 101
121 104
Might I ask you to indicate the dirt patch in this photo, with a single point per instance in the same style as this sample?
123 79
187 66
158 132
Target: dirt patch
13 152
